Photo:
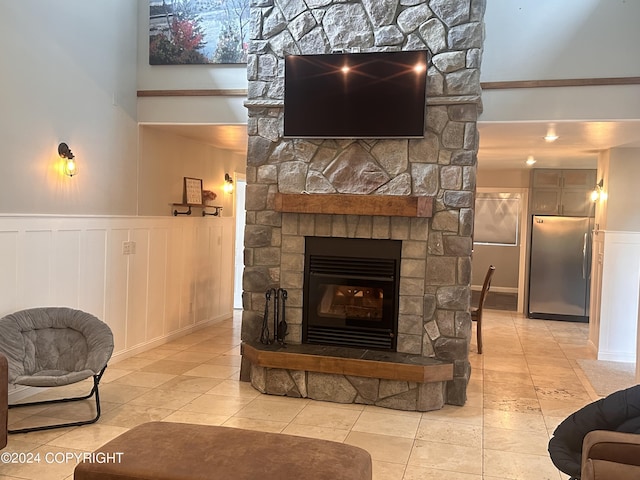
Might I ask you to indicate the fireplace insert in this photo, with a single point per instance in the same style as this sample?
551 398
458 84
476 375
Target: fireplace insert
350 295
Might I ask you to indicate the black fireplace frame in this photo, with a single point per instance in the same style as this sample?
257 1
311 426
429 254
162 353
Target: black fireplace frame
349 261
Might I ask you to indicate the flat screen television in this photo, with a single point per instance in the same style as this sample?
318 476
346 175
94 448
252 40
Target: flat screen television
355 95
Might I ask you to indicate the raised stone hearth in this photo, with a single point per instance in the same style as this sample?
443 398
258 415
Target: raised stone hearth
434 297
349 375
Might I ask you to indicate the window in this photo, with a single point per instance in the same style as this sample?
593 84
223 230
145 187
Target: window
497 218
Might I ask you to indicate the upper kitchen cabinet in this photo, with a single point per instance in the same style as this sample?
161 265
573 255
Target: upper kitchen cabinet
562 192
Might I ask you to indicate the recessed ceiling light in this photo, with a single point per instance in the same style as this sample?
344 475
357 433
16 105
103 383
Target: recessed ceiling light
551 135
530 160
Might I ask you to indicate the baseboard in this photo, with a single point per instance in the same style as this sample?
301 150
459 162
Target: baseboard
132 352
624 357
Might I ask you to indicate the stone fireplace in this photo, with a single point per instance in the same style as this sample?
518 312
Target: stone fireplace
325 180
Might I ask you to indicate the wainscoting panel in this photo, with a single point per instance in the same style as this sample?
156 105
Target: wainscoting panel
65 270
138 297
157 271
187 287
8 270
35 271
620 297
179 278
93 271
224 282
209 249
174 276
117 287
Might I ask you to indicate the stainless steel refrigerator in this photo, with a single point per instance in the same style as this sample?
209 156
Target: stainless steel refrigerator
560 267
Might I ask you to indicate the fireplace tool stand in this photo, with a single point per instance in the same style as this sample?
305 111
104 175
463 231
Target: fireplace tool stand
279 296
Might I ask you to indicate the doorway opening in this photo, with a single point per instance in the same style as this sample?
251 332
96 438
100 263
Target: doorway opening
240 191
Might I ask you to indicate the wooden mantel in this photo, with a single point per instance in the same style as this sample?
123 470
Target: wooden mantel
342 204
364 364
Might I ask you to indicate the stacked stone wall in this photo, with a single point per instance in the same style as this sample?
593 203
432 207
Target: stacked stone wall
436 260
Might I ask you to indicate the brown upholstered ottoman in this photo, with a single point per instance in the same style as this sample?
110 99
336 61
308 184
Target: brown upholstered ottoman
164 451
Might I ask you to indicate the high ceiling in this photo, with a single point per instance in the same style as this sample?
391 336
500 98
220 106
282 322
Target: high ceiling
502 145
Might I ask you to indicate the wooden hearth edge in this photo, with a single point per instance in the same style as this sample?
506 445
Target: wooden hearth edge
348 366
343 204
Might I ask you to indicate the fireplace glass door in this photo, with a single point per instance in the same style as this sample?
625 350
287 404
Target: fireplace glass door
351 300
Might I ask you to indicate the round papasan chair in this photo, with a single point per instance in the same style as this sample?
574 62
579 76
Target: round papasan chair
52 347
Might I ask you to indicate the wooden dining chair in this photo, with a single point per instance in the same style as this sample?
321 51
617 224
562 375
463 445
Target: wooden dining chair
476 312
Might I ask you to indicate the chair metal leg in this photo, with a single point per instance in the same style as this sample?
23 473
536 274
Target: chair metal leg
94 391
479 333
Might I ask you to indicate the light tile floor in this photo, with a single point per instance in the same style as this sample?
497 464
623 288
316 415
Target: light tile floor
523 385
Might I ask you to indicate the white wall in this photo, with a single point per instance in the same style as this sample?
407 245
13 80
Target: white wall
623 212
222 110
162 77
165 159
619 301
568 39
176 280
561 103
68 75
209 110
548 39
616 259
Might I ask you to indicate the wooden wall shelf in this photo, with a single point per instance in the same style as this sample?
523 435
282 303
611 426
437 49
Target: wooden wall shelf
339 204
216 213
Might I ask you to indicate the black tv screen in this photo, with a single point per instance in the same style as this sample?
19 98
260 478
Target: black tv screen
355 95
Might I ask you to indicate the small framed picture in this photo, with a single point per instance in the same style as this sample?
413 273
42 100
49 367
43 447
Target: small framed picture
192 191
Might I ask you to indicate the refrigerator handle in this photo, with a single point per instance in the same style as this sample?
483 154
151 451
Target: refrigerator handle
584 256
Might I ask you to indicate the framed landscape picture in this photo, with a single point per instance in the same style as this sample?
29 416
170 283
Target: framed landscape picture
185 32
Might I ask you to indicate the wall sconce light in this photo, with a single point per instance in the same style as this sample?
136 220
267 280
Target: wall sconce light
530 160
597 192
70 166
228 183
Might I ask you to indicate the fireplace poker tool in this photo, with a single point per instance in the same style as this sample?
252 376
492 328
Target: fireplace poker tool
281 330
265 336
279 317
